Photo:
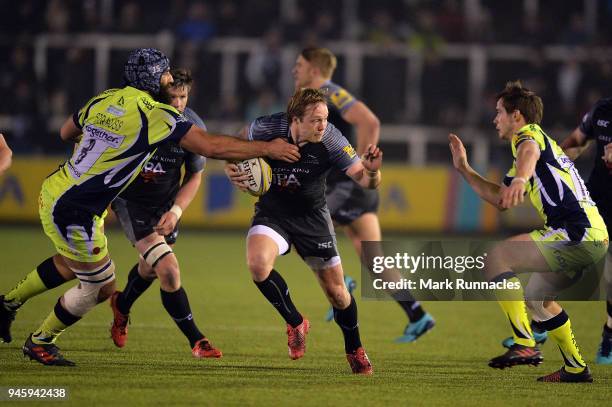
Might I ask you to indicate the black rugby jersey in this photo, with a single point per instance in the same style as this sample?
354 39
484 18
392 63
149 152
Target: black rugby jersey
339 100
597 125
159 181
300 187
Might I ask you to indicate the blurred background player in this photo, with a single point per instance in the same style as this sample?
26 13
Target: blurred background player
5 155
152 206
556 190
596 127
294 211
351 205
117 132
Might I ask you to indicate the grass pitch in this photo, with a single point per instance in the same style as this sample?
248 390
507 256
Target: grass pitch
448 366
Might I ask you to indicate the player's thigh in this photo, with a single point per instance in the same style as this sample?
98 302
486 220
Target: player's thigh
263 245
365 228
565 256
347 201
136 221
77 235
517 254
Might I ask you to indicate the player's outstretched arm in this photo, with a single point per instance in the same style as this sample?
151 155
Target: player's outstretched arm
69 131
487 190
575 144
6 154
367 125
184 196
366 172
230 148
526 158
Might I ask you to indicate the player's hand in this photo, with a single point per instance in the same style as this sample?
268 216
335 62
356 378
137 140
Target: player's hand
166 224
237 178
607 157
279 149
457 149
513 195
372 158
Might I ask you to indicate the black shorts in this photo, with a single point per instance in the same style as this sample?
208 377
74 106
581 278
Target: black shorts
312 235
137 221
347 201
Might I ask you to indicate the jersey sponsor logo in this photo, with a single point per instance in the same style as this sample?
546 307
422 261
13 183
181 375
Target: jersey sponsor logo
147 103
603 123
150 171
115 111
349 150
325 245
111 123
310 159
340 98
96 133
181 118
288 181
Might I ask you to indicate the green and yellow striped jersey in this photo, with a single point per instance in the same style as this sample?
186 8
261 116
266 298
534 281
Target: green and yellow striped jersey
121 128
556 189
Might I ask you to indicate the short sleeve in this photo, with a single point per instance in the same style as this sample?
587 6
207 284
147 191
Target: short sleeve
166 123
194 162
586 126
339 97
528 133
341 153
267 128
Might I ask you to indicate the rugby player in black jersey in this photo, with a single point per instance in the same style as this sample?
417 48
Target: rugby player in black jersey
350 205
596 127
152 205
294 212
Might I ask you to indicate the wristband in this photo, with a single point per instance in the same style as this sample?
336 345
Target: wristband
176 210
519 179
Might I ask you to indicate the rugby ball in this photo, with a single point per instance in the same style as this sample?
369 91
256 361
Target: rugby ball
260 175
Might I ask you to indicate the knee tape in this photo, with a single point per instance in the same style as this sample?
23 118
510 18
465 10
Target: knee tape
156 252
538 312
80 299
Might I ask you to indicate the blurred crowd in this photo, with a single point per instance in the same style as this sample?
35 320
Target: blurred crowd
568 86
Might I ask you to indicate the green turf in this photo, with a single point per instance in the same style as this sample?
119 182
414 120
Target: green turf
446 367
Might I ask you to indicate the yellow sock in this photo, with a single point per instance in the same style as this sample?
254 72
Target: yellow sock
513 304
49 331
560 329
517 316
27 288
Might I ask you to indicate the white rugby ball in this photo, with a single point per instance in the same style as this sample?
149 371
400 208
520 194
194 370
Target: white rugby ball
260 175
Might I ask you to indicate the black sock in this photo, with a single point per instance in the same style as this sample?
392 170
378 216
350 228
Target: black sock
537 327
177 305
275 289
413 309
136 285
609 308
49 274
347 321
64 315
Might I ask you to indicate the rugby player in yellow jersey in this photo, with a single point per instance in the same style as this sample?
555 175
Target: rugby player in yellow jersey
543 171
117 132
5 155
